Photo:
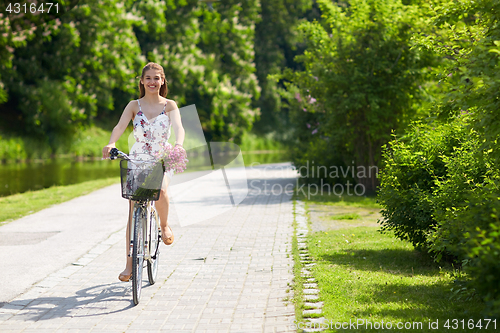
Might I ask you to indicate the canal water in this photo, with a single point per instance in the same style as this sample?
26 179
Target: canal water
22 177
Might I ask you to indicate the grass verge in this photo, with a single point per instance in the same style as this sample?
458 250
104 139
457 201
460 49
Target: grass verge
364 275
348 216
339 201
19 205
371 278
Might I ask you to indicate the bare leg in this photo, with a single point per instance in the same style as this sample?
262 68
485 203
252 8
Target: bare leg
162 208
128 268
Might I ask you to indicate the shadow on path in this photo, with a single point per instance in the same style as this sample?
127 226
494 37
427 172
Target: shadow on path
93 299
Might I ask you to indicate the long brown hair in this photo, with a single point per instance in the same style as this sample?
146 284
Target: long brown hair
163 88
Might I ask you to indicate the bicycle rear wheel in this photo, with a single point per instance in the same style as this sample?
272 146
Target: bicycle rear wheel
154 246
138 253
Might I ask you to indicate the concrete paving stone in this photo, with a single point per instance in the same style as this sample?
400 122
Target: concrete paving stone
204 320
214 327
313 304
310 285
16 325
310 312
310 291
311 297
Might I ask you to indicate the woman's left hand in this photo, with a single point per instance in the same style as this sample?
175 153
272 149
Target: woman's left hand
181 149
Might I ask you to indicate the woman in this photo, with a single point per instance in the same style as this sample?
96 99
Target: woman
152 115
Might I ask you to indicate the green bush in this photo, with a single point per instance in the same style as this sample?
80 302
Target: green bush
10 148
413 167
440 186
439 190
90 141
13 148
468 171
481 246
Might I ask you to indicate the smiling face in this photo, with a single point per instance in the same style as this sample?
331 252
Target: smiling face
152 80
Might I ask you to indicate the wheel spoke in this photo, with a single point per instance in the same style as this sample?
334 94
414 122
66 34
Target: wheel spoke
153 246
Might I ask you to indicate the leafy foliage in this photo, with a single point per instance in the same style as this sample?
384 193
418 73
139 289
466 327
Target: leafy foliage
412 166
276 45
10 39
361 80
92 55
482 246
80 57
461 219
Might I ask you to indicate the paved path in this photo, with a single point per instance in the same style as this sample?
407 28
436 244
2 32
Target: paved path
227 274
39 244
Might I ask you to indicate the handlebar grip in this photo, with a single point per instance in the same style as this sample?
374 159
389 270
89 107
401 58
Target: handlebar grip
113 153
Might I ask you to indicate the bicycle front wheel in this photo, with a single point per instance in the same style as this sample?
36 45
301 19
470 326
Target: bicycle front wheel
138 253
154 245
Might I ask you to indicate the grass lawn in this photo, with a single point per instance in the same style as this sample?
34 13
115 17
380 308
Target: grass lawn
18 205
365 276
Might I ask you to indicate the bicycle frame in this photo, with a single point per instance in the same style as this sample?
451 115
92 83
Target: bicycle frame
147 207
141 223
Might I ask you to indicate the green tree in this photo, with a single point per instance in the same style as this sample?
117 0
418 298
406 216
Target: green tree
13 33
63 76
227 40
208 58
90 59
276 45
452 163
361 81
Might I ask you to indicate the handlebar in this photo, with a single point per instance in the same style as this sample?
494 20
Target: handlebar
115 153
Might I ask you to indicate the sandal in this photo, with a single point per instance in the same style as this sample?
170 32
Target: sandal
124 278
168 240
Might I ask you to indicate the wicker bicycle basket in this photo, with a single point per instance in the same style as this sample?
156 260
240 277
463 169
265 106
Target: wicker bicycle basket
141 180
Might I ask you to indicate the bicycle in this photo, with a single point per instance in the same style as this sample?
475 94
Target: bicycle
141 182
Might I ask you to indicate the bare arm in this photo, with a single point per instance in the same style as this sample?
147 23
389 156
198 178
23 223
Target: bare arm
175 117
127 115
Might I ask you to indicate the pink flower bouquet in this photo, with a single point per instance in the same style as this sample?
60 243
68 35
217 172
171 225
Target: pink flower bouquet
173 158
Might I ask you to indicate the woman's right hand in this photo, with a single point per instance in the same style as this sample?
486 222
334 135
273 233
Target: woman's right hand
106 150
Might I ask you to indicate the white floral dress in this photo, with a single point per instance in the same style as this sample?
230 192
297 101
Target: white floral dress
149 133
